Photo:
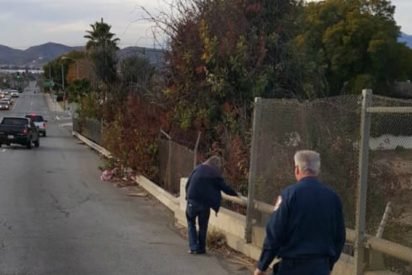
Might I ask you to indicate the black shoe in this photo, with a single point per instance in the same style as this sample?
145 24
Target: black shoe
196 252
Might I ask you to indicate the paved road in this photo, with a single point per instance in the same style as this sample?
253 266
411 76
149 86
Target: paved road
56 217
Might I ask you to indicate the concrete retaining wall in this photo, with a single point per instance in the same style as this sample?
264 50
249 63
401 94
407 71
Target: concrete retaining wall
231 224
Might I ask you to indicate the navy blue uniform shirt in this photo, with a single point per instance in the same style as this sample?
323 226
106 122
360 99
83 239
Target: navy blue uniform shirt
204 186
308 223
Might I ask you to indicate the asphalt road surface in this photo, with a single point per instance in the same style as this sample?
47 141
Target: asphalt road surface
57 217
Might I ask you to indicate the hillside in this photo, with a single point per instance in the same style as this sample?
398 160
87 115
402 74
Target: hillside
8 55
37 56
154 56
407 39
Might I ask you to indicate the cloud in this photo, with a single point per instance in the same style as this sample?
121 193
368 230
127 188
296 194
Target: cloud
66 21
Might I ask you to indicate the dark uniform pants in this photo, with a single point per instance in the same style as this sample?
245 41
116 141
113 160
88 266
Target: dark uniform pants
317 266
197 239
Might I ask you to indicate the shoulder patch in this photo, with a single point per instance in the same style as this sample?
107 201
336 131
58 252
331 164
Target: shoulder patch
278 202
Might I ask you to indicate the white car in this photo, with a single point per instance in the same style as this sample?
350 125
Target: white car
4 105
14 94
40 123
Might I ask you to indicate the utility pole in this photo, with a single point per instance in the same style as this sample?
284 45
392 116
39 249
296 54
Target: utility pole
64 91
62 77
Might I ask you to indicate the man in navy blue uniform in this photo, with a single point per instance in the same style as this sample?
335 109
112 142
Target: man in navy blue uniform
203 191
306 229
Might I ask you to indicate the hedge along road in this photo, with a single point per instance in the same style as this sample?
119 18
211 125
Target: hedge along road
56 217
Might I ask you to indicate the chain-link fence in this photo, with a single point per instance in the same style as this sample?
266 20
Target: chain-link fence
389 178
90 128
281 127
332 126
175 162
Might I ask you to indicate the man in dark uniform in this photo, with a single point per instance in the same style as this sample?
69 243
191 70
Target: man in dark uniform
306 229
202 193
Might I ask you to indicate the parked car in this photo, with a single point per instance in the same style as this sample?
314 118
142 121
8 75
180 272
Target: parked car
19 130
40 123
4 105
14 94
8 99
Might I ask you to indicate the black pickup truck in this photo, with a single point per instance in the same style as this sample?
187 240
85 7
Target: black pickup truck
19 130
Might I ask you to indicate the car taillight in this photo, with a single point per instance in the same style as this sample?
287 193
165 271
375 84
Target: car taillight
44 124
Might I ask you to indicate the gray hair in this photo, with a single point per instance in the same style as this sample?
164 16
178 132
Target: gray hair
215 162
308 161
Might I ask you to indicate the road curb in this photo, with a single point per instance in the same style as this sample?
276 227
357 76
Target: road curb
93 145
159 193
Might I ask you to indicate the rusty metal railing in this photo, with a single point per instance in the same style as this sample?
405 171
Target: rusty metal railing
383 246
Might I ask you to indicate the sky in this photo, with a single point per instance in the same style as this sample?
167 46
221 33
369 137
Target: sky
26 23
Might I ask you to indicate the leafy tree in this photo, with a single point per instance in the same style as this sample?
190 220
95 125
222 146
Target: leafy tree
78 89
224 53
405 63
102 47
221 55
53 72
137 74
353 43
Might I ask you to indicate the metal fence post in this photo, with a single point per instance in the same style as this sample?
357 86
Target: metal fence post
195 150
257 113
362 183
169 160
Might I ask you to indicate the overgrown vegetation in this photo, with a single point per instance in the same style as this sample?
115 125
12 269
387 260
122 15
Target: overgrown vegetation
220 56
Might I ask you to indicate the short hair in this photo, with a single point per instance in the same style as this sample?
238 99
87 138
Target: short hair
308 161
216 162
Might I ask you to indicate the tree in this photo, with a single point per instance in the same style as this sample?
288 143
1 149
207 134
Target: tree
53 73
102 47
353 43
225 53
221 55
137 73
78 89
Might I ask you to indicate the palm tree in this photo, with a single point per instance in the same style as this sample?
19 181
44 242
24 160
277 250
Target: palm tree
100 36
102 47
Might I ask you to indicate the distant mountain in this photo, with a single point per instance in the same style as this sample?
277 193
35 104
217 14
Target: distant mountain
406 38
7 54
154 56
48 51
37 56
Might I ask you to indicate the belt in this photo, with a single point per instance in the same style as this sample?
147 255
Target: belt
306 260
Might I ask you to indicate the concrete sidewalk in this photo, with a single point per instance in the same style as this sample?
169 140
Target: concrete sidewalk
54 106
57 109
